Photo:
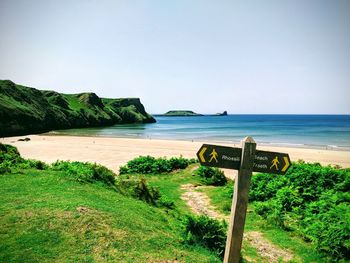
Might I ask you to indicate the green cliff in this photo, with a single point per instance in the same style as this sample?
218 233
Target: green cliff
25 110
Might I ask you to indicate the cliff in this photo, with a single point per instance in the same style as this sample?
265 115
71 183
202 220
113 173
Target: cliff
25 110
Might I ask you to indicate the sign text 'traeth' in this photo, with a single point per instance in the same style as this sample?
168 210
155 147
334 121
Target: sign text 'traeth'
230 158
271 162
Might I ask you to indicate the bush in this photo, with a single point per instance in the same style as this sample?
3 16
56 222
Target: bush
206 232
326 223
211 176
166 202
26 164
10 154
85 172
5 167
311 199
146 193
139 189
151 165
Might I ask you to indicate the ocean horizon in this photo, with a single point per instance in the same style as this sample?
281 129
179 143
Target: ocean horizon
306 131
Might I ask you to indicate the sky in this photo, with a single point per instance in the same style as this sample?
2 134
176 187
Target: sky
246 57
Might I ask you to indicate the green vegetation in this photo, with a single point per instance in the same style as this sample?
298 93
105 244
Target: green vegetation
151 165
206 232
211 176
310 200
73 211
181 113
26 110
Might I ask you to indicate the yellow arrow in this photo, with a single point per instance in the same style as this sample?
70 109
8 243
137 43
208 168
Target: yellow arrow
201 154
285 167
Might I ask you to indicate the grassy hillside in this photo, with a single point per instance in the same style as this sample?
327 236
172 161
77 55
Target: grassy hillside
25 110
59 214
79 212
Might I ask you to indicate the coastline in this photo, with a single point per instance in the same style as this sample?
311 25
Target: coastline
206 140
114 151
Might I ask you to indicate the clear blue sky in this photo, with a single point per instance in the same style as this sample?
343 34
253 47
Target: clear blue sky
289 56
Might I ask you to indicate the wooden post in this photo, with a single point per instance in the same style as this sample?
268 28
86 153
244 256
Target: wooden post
240 202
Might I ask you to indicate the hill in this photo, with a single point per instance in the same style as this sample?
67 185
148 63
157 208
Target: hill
181 113
25 110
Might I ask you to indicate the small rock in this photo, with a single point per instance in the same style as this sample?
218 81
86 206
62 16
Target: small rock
24 140
83 209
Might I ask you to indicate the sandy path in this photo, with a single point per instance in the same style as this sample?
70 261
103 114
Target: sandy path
113 152
198 202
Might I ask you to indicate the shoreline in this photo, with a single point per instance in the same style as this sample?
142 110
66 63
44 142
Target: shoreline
113 152
211 141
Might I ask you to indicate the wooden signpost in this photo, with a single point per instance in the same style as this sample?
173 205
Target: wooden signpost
246 160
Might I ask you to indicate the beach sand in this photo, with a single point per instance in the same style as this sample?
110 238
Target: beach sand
114 152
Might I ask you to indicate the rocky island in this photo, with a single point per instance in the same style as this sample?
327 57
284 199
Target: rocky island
25 110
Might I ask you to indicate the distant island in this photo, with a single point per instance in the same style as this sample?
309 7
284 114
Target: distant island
189 113
25 110
181 113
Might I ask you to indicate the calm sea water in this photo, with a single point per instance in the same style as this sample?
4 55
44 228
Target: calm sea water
319 131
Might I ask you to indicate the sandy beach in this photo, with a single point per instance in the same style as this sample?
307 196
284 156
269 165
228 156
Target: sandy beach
114 152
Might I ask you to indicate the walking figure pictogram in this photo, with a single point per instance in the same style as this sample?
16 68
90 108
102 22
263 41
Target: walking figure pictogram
214 156
275 163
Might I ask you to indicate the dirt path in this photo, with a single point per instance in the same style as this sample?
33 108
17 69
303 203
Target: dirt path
200 204
266 249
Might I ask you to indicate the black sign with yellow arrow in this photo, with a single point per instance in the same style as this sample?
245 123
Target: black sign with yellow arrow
220 156
230 158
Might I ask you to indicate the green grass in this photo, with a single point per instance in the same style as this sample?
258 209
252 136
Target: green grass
40 222
46 216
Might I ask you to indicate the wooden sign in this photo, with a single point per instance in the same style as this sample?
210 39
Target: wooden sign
230 158
246 160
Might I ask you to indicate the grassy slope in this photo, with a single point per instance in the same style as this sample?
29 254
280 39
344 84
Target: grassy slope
26 110
40 223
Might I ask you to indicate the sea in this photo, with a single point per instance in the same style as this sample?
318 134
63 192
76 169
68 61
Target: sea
305 131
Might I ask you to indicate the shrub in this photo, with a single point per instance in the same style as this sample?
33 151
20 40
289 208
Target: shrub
311 199
5 167
10 154
139 189
211 176
146 193
326 223
206 232
166 202
36 164
151 165
85 172
179 163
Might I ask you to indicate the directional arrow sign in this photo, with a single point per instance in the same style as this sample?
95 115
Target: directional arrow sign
230 157
271 162
246 160
220 156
